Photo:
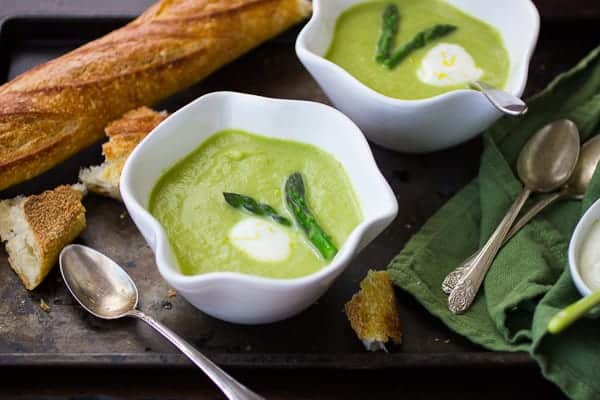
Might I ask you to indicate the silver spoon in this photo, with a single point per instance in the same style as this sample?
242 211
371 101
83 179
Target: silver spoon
502 100
574 189
546 162
105 290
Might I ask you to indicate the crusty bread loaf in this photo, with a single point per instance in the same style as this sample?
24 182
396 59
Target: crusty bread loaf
36 228
373 312
54 110
123 135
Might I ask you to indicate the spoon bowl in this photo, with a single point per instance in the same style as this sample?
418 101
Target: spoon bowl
99 284
104 289
548 159
589 157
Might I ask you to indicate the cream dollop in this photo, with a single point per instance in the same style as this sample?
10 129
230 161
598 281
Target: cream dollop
589 258
448 65
260 239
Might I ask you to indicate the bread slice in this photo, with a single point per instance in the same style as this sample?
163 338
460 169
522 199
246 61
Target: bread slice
123 134
36 228
373 312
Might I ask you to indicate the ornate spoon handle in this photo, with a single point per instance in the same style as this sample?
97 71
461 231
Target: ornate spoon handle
466 289
453 277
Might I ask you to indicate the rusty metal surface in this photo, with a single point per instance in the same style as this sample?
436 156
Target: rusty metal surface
319 337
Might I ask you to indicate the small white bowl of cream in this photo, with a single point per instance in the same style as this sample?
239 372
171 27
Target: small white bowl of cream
584 252
584 266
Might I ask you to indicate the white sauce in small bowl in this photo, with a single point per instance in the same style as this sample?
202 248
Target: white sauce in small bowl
589 258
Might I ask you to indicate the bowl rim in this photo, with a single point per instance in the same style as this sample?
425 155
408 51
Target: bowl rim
579 235
162 248
304 53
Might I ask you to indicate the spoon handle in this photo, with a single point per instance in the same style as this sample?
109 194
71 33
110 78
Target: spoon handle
572 313
453 277
232 389
466 289
501 99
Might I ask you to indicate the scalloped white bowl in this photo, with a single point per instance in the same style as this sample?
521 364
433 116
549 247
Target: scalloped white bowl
426 125
239 297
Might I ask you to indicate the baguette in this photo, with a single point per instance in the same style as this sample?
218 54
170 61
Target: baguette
56 109
36 228
123 135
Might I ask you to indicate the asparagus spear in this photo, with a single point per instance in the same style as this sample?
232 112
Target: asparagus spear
296 201
247 203
420 40
389 27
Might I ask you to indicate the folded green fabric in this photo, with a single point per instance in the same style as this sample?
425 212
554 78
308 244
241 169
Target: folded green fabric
529 280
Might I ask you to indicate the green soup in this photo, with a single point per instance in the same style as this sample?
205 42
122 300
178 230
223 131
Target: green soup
357 32
188 201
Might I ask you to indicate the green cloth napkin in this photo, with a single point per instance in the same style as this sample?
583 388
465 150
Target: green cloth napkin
529 280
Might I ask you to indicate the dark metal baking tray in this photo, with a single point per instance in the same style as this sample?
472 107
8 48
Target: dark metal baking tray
320 337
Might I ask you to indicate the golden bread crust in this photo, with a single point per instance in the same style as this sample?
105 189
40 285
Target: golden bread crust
373 312
56 218
54 110
126 132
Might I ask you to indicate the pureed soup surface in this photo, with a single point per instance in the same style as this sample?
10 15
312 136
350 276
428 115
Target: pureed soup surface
357 32
188 201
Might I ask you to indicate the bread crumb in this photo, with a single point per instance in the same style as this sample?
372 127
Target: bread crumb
171 293
44 306
373 312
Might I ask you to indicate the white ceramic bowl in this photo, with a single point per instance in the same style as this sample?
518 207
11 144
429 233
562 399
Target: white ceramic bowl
238 297
419 125
577 239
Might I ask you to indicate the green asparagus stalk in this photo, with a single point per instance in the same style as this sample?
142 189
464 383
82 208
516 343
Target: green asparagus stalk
572 313
389 27
420 40
296 201
252 206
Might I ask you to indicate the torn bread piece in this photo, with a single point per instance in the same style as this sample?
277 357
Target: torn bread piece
373 312
123 134
36 228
